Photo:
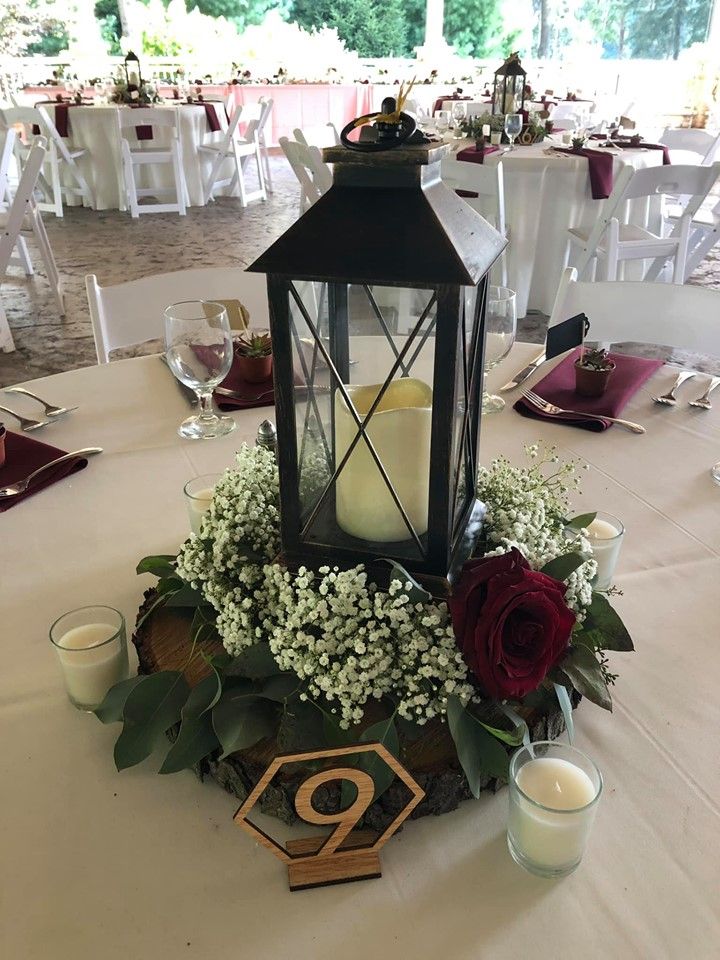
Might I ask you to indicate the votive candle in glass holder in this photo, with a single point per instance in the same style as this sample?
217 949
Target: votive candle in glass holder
92 649
605 534
198 497
554 794
496 137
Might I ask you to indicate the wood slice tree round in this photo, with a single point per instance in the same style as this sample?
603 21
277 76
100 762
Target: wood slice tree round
163 643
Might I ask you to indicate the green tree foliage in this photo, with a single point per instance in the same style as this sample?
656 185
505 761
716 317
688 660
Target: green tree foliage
30 26
648 29
374 28
475 28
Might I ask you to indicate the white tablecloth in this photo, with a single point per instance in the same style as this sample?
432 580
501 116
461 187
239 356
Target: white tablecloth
96 129
98 864
544 195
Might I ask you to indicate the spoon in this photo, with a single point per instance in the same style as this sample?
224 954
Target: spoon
669 398
20 486
704 401
50 409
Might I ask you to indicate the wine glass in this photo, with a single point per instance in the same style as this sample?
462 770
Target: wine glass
459 113
715 472
500 327
199 351
442 121
513 126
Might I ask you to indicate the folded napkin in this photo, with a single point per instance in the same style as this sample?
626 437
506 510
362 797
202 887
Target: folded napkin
558 387
600 168
23 454
62 118
624 144
471 155
251 394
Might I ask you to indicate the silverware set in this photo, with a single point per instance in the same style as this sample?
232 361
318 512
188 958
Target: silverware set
702 402
20 486
554 411
51 411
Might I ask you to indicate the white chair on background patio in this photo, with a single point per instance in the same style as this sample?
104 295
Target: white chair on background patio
237 150
312 172
487 183
615 241
135 158
262 130
61 176
129 313
692 146
685 317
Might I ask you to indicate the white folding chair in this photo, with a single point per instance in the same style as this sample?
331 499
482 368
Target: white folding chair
6 156
266 113
238 149
61 176
486 181
692 146
13 221
129 313
615 241
685 317
307 164
135 157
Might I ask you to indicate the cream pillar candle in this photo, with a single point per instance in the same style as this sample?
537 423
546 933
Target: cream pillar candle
605 534
552 807
91 648
400 431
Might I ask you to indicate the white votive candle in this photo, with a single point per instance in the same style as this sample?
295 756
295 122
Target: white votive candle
554 790
198 497
605 534
91 648
486 130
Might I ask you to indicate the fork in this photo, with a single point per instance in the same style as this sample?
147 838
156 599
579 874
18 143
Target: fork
669 398
704 401
26 423
50 409
235 395
555 411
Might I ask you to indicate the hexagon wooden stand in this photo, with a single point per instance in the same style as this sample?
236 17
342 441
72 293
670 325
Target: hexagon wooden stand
345 854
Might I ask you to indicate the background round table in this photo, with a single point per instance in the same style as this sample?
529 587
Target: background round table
101 864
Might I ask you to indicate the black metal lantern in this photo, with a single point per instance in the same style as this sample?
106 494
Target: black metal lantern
509 87
377 300
133 76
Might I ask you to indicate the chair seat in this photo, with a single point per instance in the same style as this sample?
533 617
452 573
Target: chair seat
151 156
629 233
243 149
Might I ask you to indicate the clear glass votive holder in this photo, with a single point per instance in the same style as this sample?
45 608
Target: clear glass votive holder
92 649
606 535
554 793
198 497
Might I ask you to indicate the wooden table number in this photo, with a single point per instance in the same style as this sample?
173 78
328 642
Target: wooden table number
345 854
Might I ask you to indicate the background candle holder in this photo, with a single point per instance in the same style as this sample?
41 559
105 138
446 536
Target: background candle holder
198 497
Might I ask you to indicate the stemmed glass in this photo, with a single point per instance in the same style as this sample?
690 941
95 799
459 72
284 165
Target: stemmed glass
500 327
715 472
442 121
513 126
199 351
459 112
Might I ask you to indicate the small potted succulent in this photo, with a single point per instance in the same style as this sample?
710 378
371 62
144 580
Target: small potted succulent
592 372
578 143
253 352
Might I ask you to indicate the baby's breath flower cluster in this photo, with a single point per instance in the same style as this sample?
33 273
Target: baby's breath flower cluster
352 642
527 508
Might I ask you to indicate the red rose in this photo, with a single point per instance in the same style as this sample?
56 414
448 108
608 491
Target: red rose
512 623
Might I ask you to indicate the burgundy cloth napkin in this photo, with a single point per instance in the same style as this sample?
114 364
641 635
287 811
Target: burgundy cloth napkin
471 155
251 394
23 455
558 387
62 120
600 168
625 144
212 117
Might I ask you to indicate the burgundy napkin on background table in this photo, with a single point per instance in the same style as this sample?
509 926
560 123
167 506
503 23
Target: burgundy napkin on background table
600 168
23 455
558 387
251 394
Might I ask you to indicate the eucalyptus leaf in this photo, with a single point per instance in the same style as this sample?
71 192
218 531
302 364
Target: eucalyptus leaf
561 567
479 753
582 669
409 729
600 616
241 718
111 709
384 732
581 522
162 565
281 687
203 696
513 738
254 662
334 734
165 589
195 741
300 727
186 596
416 593
152 707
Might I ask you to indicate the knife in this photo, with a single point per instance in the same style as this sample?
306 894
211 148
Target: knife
524 373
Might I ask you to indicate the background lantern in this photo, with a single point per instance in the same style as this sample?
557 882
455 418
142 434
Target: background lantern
133 76
509 87
377 298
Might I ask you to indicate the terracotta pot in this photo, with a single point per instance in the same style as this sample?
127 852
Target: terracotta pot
254 369
591 383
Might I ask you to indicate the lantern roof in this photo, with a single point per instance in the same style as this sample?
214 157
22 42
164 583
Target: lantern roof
511 67
387 219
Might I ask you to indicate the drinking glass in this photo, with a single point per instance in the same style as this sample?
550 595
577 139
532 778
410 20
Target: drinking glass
554 791
442 121
92 649
199 351
513 126
459 112
500 327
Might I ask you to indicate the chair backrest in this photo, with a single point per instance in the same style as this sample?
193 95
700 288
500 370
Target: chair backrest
5 159
673 180
26 117
682 316
701 142
22 201
128 313
485 179
307 164
565 111
131 117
